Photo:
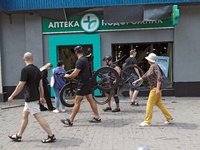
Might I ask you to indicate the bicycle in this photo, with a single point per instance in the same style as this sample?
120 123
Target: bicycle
101 81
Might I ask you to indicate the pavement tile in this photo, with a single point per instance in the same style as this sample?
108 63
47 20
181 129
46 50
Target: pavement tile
117 131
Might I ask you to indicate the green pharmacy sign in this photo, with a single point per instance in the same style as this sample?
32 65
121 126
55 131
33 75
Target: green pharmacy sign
92 23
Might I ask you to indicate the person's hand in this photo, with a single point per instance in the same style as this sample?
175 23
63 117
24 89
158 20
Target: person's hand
10 99
66 75
157 92
114 82
134 83
42 101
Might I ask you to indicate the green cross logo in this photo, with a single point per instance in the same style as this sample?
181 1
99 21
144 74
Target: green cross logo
90 22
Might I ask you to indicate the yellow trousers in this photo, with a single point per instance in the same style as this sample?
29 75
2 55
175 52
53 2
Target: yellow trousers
154 99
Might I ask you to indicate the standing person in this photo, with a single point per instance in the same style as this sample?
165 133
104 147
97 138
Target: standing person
82 71
108 61
133 92
31 79
44 73
155 96
59 83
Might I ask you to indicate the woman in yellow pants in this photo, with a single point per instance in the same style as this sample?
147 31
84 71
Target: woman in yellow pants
155 95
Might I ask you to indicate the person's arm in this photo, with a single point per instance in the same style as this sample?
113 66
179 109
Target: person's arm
41 90
118 71
73 74
159 79
18 89
158 88
140 79
137 71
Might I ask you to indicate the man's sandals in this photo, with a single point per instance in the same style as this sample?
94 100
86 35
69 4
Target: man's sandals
15 138
49 139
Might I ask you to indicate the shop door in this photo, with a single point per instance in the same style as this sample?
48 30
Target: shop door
90 42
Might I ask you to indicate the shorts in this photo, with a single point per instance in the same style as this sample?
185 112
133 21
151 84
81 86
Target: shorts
84 89
114 92
130 83
32 107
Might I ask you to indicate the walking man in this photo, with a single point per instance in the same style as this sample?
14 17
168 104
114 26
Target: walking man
82 71
108 61
31 79
133 92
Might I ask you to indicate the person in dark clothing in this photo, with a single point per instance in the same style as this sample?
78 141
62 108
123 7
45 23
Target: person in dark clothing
82 71
108 61
133 92
31 79
44 73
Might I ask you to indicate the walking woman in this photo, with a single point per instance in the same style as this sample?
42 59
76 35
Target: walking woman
44 73
155 96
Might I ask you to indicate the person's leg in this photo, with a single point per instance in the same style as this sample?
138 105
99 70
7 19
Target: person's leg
63 106
43 123
93 105
109 102
164 110
47 97
24 122
75 110
131 94
116 100
56 93
151 101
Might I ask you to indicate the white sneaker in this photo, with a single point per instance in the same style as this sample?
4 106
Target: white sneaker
169 121
144 124
63 110
56 111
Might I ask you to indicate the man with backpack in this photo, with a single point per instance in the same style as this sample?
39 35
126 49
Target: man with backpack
133 92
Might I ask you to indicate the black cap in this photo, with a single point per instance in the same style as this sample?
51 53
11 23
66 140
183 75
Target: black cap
60 63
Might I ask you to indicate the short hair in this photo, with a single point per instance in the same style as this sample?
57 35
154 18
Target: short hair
60 63
132 51
28 56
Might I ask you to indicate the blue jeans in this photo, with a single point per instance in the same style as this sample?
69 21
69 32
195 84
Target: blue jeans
57 97
130 83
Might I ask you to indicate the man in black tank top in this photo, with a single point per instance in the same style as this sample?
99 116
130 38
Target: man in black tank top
82 71
31 79
108 61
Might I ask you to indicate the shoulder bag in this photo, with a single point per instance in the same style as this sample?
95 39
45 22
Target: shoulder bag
165 83
52 79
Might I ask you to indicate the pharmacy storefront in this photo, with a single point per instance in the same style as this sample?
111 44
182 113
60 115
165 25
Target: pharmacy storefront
115 39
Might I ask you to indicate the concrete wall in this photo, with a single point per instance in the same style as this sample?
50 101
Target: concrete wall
19 34
186 50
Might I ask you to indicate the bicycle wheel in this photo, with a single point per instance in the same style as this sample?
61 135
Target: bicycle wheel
68 94
129 74
104 77
101 100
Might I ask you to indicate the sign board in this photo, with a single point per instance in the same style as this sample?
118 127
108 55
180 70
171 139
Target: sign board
163 62
91 23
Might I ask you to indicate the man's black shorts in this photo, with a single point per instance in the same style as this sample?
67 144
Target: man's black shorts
114 92
84 89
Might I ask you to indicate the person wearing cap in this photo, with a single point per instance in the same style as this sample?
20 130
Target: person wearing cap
133 92
155 96
108 61
59 83
82 71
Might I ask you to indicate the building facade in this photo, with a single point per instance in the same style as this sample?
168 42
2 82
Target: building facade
50 40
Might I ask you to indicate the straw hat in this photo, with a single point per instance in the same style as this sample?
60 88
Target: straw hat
151 57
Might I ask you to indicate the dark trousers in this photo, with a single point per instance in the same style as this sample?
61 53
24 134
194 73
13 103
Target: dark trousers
47 97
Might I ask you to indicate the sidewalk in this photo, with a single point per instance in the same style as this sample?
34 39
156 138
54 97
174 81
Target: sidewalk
117 131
